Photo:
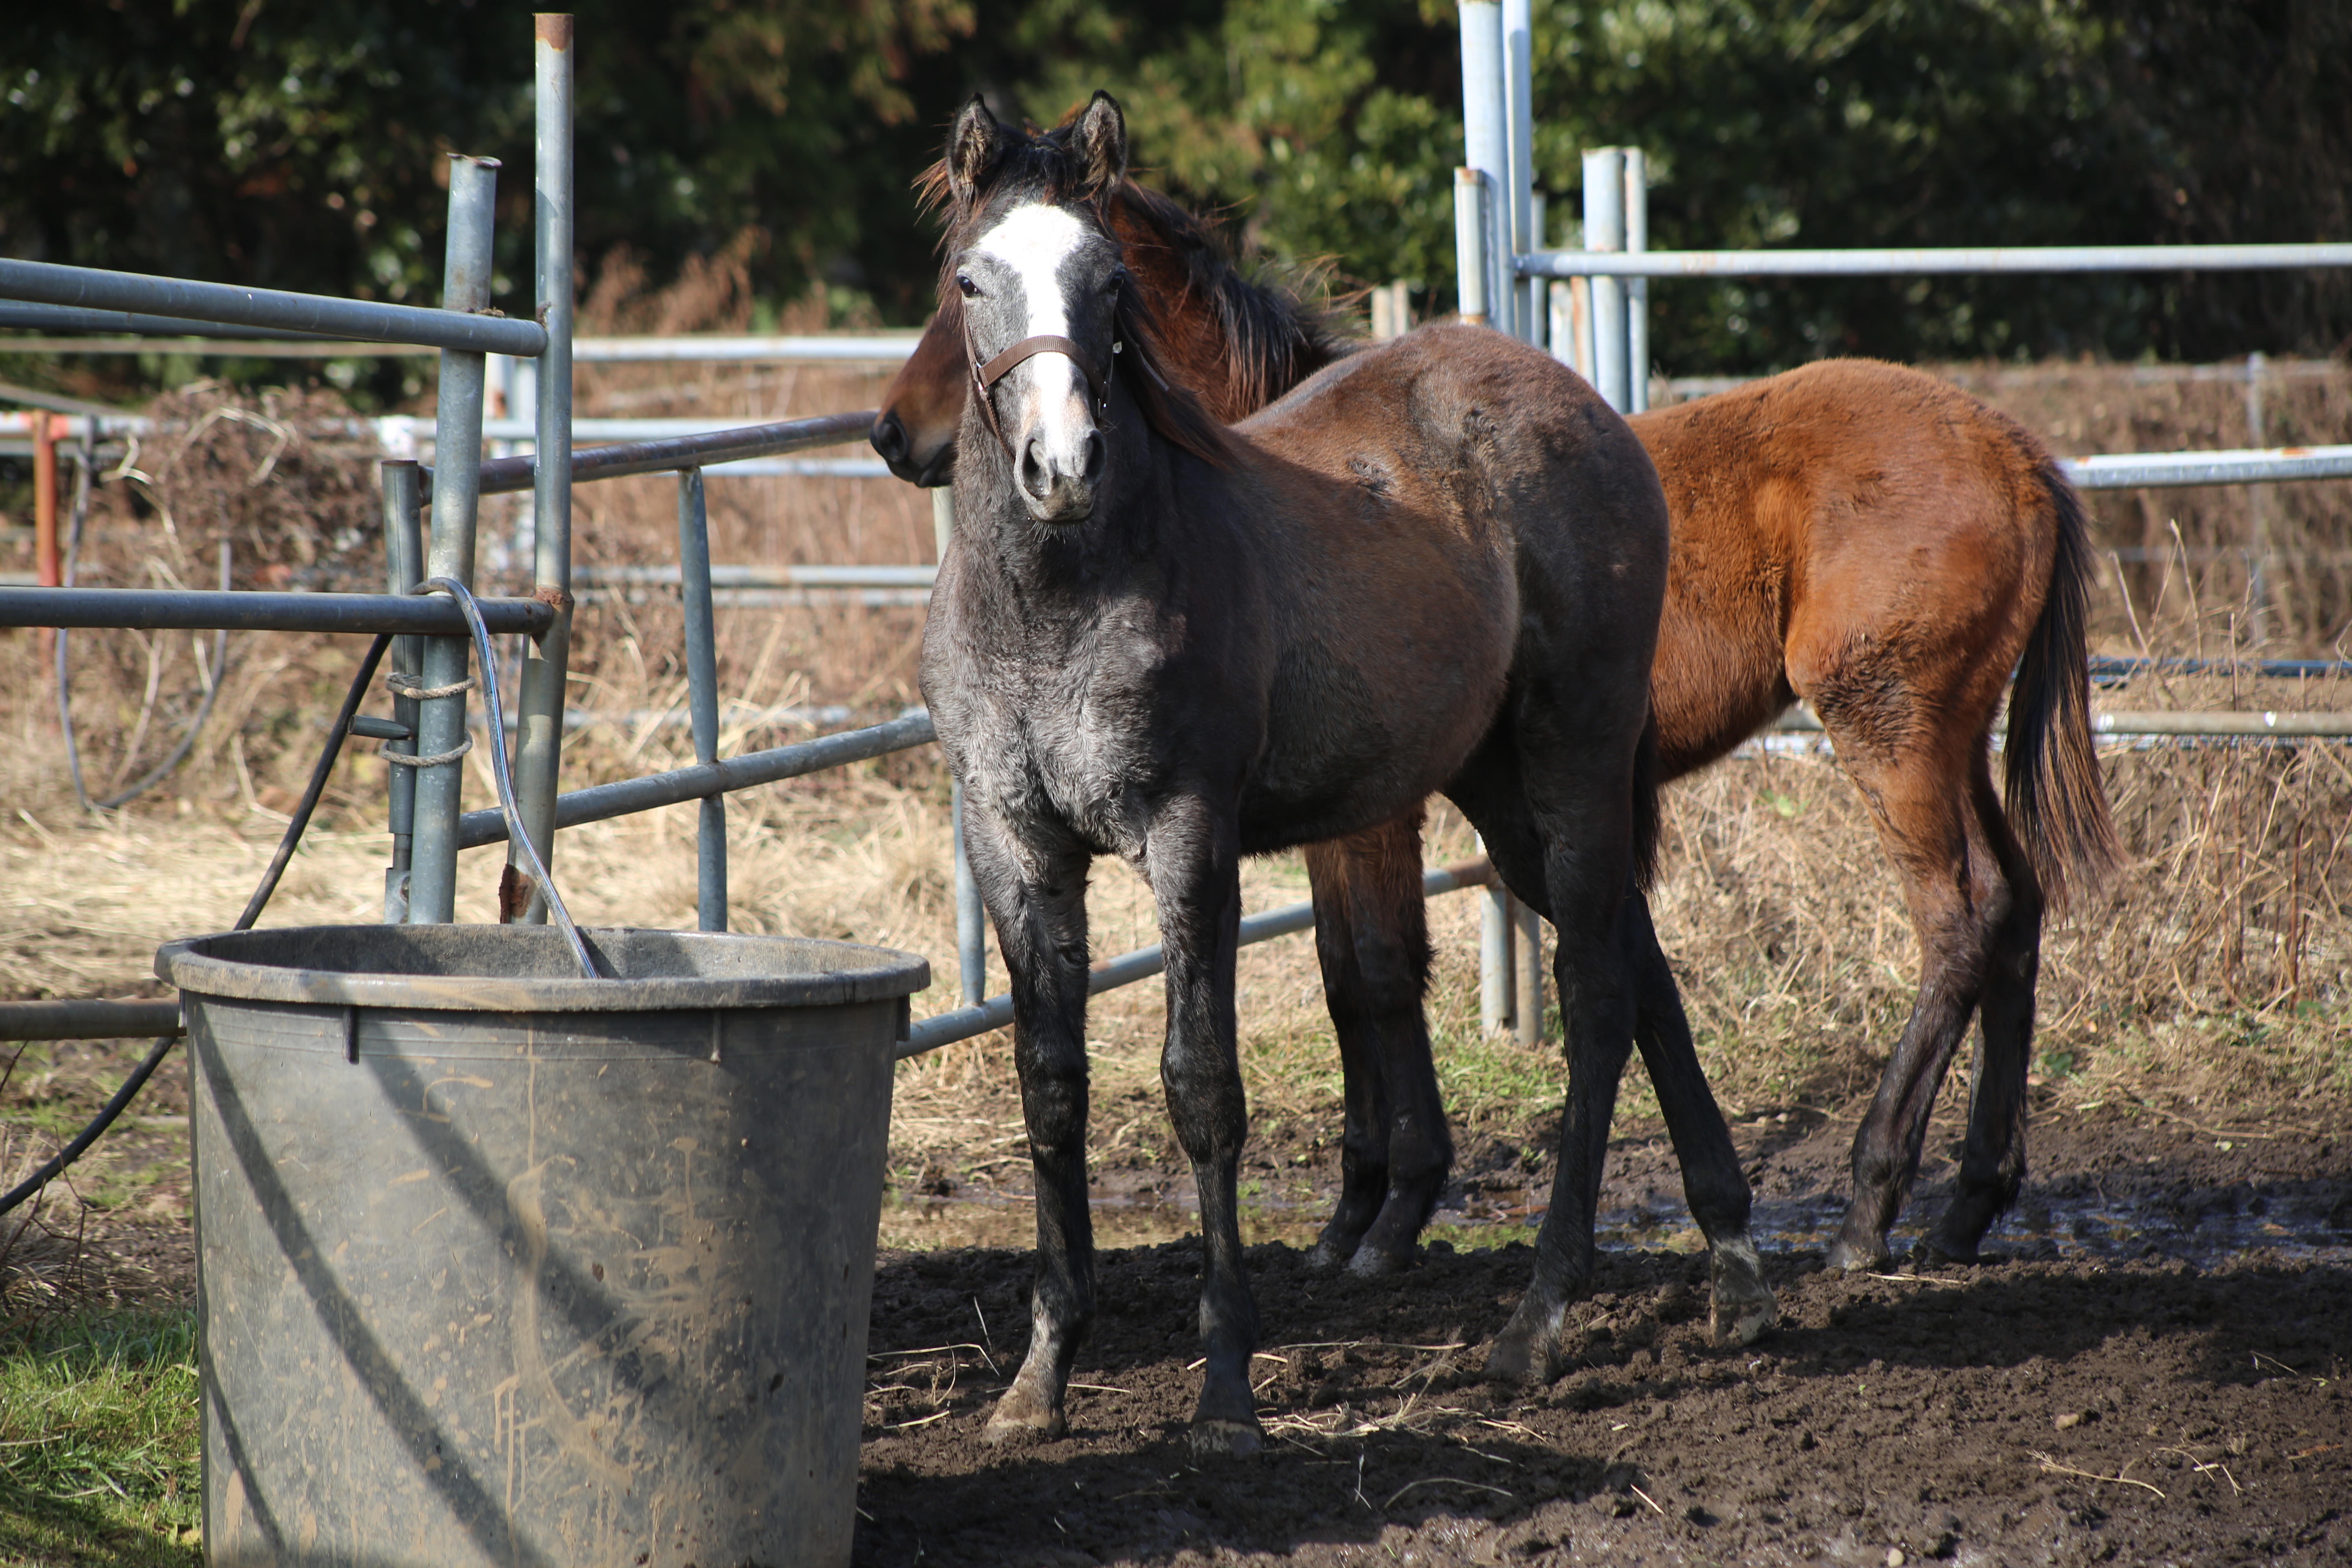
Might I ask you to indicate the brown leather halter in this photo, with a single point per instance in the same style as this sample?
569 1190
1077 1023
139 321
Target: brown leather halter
984 377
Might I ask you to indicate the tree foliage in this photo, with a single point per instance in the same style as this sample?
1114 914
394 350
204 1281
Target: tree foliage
296 144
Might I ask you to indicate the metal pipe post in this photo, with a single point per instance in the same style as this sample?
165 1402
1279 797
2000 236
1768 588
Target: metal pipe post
1605 229
1637 289
547 661
1496 962
1470 234
1540 290
2258 549
1485 148
702 695
971 917
456 492
1527 974
403 560
1519 151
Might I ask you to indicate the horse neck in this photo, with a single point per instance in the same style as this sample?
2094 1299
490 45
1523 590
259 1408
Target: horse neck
1052 569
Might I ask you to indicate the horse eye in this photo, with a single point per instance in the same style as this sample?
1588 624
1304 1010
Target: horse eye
971 290
1117 282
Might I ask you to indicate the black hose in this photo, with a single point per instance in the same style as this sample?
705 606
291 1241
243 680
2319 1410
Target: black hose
287 841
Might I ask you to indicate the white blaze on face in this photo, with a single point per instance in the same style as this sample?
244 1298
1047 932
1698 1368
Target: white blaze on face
1032 242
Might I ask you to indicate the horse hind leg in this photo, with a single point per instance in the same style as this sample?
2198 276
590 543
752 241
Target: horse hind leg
1713 1183
1992 1163
1959 897
1398 1150
1363 1138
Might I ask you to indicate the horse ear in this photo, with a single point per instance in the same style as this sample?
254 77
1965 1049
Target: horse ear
975 142
1098 144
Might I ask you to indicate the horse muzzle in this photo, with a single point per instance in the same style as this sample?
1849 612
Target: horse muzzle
1057 479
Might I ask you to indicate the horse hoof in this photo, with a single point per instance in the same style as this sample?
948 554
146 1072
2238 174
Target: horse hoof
1936 1251
1377 1263
1218 1438
1020 1418
1739 1323
1325 1258
1845 1256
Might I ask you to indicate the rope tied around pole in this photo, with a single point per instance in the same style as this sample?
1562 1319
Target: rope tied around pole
401 683
402 759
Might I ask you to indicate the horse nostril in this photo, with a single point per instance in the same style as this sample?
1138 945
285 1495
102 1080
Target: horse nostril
1097 455
889 439
1036 472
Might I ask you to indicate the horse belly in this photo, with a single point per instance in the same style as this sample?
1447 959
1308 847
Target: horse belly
1349 746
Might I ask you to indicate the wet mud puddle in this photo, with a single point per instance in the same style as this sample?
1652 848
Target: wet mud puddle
2204 1226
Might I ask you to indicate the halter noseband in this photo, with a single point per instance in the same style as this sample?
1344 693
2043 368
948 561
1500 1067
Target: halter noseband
984 377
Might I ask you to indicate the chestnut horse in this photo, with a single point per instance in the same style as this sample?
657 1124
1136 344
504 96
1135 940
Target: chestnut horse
1858 534
1436 566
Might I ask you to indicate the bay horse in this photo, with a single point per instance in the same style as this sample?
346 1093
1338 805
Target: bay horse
1432 567
1859 534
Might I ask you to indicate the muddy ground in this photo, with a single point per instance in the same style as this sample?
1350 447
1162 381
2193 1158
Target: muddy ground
2153 1374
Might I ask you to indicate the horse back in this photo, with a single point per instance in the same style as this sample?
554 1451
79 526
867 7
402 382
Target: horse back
1835 526
1452 512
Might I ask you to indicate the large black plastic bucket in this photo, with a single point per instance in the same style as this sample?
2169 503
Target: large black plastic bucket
501 1265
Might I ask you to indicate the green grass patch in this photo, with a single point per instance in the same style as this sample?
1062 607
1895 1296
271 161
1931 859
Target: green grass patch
98 1450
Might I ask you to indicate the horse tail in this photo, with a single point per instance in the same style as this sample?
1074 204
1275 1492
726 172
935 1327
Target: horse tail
2056 801
1647 784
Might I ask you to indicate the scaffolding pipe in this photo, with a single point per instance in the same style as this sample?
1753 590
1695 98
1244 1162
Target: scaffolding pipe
1604 231
223 304
702 695
246 610
1637 289
1470 264
1496 965
1595 262
547 658
403 559
971 917
442 742
1485 149
1519 161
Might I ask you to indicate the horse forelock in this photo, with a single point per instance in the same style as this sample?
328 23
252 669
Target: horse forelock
1035 170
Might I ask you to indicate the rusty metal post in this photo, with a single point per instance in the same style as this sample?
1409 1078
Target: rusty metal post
547 661
45 564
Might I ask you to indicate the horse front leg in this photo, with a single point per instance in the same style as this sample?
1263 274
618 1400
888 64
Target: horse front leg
1194 863
1037 900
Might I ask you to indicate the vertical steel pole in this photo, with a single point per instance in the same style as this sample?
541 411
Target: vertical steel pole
702 694
2258 554
403 561
539 734
1495 959
456 498
1470 235
1605 229
1519 154
47 570
1485 148
1527 974
971 917
1637 289
1538 289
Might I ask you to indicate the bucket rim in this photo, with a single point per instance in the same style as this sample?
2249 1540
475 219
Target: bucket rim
229 965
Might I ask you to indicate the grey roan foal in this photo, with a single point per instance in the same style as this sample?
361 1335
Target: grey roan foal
1434 566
